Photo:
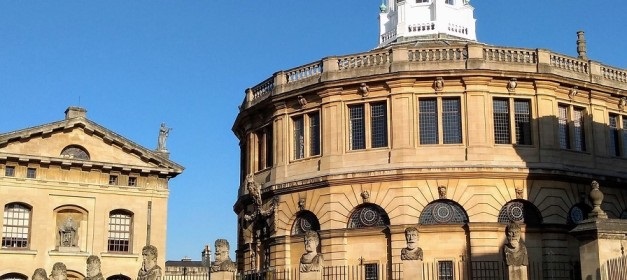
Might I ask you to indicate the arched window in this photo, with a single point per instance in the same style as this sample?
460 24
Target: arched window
305 220
578 213
368 215
75 152
120 231
520 211
118 277
443 211
16 226
13 276
74 275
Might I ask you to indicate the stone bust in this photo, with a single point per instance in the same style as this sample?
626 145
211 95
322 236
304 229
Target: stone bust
412 251
93 268
311 260
59 271
39 274
223 261
68 233
149 270
515 252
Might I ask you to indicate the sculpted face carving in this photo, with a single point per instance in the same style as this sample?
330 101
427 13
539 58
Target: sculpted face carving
150 270
223 262
59 271
412 251
93 268
40 274
311 260
515 252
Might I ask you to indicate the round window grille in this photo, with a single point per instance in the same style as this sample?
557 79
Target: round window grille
443 211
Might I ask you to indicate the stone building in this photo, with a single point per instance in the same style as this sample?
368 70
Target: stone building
73 188
431 130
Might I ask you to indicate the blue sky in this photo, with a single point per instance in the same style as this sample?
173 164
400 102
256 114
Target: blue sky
135 64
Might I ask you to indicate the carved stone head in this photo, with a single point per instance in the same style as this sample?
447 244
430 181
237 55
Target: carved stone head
149 255
93 266
222 250
59 271
513 235
442 192
311 241
40 274
411 236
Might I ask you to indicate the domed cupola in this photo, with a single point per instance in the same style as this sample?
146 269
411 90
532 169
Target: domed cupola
413 20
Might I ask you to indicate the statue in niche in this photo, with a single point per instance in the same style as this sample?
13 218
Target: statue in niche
311 260
515 251
149 270
93 268
163 136
223 261
40 274
68 235
412 251
59 271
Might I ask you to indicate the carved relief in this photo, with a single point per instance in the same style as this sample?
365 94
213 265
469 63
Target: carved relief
573 92
301 203
519 193
621 103
149 270
59 271
40 274
515 251
442 192
365 195
223 261
302 101
438 84
364 89
93 268
511 85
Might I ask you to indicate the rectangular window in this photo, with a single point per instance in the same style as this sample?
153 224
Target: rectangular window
563 130
31 173
422 1
379 125
614 147
132 181
451 121
9 171
15 226
306 135
371 271
265 154
570 127
299 137
113 179
501 121
314 134
504 124
522 117
450 2
578 130
428 120
445 270
119 232
357 127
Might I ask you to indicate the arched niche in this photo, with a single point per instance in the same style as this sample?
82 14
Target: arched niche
443 211
305 220
368 215
520 211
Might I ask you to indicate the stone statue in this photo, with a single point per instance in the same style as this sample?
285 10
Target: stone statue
412 251
93 268
223 261
59 271
163 136
40 274
311 260
515 252
254 189
68 236
150 270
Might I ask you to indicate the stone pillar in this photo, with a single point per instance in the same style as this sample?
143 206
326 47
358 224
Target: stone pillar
313 275
600 239
412 269
517 272
222 275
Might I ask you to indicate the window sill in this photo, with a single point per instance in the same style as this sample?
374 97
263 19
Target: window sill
67 254
11 251
119 255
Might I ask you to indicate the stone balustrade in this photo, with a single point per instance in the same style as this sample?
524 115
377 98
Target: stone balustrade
388 36
446 58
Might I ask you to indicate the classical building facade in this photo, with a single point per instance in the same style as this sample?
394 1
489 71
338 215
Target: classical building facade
72 188
431 130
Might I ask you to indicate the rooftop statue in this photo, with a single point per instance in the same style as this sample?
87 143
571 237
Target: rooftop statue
163 136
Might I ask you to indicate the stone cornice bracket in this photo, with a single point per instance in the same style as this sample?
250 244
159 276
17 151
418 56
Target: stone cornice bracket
573 92
438 84
511 85
621 103
302 101
364 90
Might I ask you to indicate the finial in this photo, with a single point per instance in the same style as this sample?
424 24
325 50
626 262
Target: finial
596 196
581 46
383 8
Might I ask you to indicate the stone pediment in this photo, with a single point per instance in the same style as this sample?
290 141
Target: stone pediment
77 141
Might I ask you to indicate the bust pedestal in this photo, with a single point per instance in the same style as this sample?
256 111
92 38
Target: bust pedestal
517 272
222 275
412 269
312 275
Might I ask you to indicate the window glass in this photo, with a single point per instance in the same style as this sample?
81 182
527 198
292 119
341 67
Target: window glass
428 116
15 226
501 121
357 127
379 128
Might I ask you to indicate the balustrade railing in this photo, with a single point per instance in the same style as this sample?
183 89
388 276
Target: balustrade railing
570 64
510 55
364 60
614 74
263 89
421 27
303 72
387 36
437 54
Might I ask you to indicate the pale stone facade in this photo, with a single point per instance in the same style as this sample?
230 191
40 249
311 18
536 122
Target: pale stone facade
71 189
357 147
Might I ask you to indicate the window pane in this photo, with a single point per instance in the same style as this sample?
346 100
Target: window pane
15 226
522 119
119 232
563 127
613 126
445 270
428 116
578 131
261 151
31 173
299 137
9 171
379 127
624 136
501 121
371 271
269 143
451 121
314 134
357 134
